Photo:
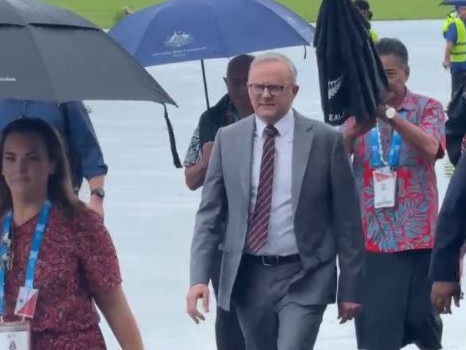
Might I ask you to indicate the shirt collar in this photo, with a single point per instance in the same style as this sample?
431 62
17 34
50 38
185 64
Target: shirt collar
284 126
409 102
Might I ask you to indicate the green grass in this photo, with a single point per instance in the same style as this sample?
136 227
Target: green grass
103 12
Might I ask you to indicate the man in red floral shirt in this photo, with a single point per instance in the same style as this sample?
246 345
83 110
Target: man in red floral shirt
394 168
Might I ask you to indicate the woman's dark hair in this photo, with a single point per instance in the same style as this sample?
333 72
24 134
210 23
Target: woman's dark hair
59 188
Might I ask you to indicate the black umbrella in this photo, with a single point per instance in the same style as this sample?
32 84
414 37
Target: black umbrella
352 80
51 54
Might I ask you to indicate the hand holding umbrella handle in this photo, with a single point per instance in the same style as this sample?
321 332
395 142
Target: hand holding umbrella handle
354 129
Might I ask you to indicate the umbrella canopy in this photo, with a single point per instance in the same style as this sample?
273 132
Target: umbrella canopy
187 30
51 54
454 2
351 77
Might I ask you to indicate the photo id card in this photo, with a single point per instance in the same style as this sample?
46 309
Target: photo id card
15 335
384 188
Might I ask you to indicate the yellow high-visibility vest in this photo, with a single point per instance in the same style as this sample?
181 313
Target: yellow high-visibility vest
374 35
449 20
458 52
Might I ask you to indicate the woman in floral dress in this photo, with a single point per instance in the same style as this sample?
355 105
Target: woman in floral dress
77 266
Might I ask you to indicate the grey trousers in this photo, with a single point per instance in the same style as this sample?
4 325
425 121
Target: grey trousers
268 316
228 335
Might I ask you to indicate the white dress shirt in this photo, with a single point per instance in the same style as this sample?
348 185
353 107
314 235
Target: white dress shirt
281 238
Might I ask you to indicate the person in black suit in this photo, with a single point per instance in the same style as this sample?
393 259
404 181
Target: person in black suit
450 236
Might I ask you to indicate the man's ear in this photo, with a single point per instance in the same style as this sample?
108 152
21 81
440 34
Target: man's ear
407 71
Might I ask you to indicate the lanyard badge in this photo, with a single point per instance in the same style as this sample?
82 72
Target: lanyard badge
28 295
384 172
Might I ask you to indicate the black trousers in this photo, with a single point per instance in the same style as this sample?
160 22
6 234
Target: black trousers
397 308
457 79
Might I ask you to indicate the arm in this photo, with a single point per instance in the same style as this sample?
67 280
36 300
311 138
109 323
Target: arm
206 234
428 138
194 175
84 145
352 130
347 225
447 54
450 232
211 211
451 37
114 306
83 141
100 272
195 166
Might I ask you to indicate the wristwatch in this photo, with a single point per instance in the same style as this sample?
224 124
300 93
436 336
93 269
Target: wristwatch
390 113
99 192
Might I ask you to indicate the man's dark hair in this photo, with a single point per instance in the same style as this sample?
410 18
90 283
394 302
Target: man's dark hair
362 5
392 46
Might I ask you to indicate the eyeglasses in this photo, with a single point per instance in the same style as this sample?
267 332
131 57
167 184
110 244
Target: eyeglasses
273 89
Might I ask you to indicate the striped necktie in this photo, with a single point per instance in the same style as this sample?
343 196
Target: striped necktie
258 228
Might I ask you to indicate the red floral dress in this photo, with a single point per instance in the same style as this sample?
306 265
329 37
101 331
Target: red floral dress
76 257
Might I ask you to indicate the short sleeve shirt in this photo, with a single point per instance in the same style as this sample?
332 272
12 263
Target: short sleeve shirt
411 223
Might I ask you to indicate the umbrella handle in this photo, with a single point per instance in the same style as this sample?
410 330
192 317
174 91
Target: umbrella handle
171 137
205 85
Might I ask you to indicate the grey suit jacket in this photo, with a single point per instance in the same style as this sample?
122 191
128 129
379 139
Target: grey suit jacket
327 218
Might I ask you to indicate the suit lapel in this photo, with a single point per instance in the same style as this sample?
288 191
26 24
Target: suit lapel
244 156
302 143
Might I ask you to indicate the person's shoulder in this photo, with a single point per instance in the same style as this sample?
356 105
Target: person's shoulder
238 126
86 214
317 125
216 110
452 26
81 218
423 101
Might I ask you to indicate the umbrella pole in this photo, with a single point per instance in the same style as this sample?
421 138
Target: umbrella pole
205 85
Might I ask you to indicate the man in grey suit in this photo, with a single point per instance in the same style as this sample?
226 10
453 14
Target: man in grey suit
286 187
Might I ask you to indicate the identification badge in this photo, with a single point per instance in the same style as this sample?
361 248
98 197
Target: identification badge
26 302
15 335
384 188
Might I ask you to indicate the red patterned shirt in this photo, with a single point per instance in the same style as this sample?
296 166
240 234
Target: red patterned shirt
76 257
411 223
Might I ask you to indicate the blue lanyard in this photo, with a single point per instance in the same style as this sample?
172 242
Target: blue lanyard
33 254
377 160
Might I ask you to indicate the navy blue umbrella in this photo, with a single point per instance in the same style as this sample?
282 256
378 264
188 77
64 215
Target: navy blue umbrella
454 2
187 30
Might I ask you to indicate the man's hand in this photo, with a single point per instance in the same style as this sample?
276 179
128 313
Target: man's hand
446 64
205 153
97 204
196 292
354 129
442 293
347 311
